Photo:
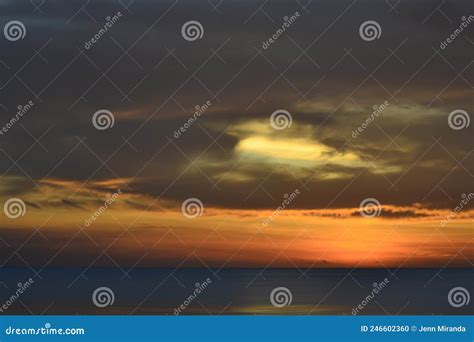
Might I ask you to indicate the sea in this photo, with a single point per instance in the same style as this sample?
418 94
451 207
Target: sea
235 291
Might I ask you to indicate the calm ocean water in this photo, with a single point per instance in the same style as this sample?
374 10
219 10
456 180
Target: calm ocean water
235 291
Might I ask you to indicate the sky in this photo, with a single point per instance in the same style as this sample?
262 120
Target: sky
358 121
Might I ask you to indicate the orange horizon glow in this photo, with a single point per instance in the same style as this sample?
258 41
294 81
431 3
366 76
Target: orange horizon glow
161 236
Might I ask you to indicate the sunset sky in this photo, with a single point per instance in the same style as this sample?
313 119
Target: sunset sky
231 158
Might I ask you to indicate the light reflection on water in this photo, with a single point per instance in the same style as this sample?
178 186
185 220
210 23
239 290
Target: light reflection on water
239 291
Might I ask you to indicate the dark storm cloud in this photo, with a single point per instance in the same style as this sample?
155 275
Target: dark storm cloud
147 92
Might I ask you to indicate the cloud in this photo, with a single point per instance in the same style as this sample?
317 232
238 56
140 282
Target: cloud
231 157
397 214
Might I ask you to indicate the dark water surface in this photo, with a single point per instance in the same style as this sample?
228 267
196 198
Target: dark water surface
235 291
